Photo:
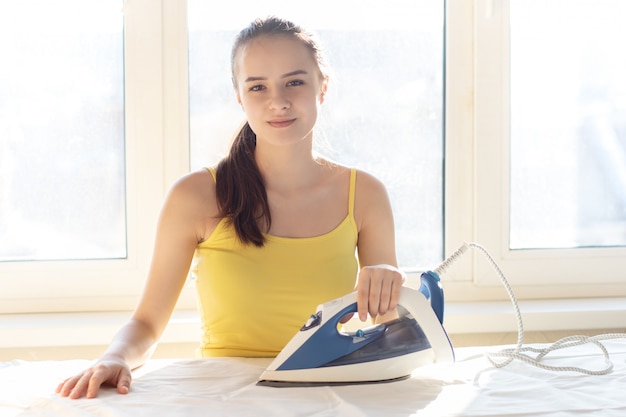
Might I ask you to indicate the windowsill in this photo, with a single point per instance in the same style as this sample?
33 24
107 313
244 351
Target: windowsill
85 329
91 329
537 315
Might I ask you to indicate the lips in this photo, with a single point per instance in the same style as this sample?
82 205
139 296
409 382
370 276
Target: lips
280 123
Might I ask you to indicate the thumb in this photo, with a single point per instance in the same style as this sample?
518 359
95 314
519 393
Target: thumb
123 384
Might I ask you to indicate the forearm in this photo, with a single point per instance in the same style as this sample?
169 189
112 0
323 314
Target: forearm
134 343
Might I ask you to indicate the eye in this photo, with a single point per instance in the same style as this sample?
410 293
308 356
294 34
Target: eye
256 88
294 83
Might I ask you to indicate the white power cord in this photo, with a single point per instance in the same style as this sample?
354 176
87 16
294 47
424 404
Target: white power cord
517 353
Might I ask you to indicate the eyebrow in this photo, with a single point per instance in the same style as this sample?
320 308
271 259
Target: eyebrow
289 74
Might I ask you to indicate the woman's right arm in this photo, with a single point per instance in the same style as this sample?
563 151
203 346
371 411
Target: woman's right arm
183 222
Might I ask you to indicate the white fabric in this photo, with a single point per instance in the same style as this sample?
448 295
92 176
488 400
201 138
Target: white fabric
227 387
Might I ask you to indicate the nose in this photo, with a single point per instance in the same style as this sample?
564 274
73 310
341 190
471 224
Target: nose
279 100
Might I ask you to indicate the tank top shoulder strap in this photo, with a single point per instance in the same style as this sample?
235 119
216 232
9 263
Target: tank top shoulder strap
352 191
212 172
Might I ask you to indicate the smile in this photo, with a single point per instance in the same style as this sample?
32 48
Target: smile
281 123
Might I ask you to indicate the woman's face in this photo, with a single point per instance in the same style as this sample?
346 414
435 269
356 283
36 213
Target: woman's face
280 87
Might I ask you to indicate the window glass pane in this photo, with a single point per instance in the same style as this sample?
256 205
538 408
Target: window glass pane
383 112
62 189
568 123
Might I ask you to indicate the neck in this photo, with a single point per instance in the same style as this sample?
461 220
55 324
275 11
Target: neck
287 167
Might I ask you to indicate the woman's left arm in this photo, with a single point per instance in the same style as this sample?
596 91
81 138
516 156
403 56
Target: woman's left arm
380 280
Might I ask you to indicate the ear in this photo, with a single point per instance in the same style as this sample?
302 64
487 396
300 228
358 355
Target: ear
239 99
323 89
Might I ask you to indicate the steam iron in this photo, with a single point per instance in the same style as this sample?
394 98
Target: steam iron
321 354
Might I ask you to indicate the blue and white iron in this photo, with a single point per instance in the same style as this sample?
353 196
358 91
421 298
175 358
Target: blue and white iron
321 354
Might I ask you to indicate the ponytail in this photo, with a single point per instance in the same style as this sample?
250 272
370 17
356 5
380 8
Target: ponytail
240 190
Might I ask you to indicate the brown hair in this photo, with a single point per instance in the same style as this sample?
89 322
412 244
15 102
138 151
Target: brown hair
240 189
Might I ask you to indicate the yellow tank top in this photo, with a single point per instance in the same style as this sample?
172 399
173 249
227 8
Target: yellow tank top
252 301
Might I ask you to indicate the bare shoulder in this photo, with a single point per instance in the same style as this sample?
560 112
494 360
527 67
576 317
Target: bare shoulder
196 184
369 187
371 201
193 196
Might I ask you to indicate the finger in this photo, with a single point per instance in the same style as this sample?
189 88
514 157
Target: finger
97 379
81 385
375 292
66 386
363 294
384 298
59 387
396 288
123 385
384 288
393 288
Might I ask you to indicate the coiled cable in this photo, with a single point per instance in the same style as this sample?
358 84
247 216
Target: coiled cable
504 357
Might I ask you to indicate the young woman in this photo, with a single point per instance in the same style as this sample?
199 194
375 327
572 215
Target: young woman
271 232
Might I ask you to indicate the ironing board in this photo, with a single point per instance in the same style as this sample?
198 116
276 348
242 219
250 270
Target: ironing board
227 387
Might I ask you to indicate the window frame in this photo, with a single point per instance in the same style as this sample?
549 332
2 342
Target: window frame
536 273
157 153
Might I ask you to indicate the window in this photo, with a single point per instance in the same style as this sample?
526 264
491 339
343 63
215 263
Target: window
155 131
550 145
62 155
384 110
81 136
568 124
